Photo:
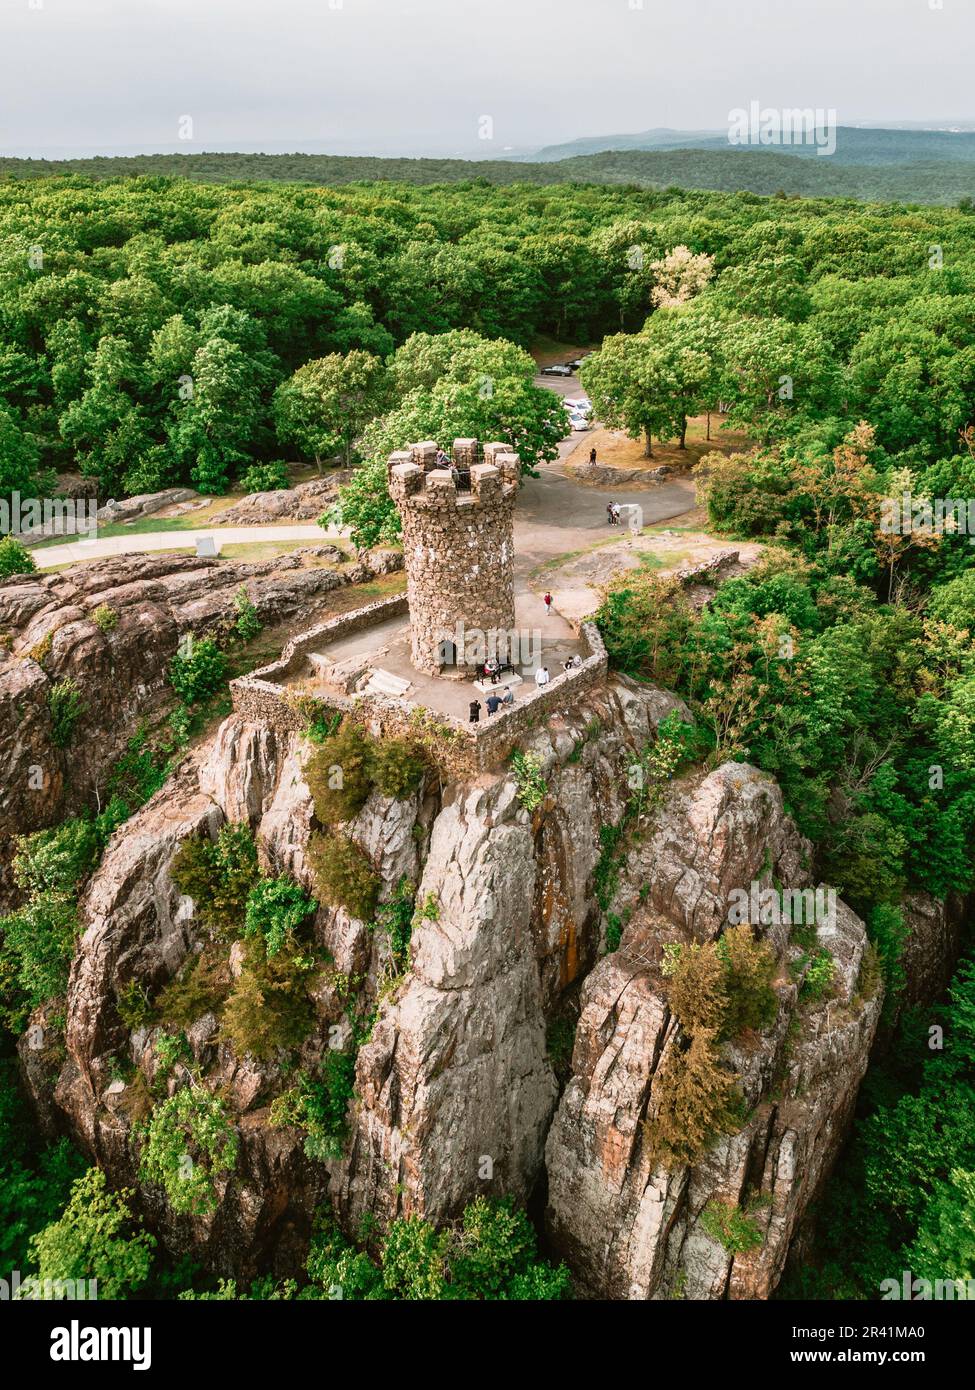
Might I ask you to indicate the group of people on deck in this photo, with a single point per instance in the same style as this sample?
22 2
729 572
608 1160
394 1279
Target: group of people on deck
494 703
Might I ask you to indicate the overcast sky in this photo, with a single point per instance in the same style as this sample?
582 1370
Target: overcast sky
417 76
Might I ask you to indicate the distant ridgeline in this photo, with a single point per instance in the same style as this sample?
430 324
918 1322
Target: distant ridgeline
901 166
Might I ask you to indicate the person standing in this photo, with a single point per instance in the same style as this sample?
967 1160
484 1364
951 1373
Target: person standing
609 513
541 676
493 704
508 698
592 455
475 712
548 603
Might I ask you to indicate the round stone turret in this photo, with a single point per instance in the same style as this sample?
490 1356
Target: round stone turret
459 550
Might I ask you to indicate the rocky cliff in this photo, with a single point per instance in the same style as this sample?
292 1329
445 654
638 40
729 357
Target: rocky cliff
50 632
465 1083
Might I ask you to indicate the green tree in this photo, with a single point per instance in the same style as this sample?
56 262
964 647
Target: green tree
326 405
95 1238
633 386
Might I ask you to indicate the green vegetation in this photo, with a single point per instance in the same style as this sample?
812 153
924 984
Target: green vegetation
201 987
339 773
35 1180
726 1223
288 347
15 558
267 1009
317 1105
532 787
902 1196
343 874
396 919
276 908
397 767
348 763
247 624
94 1238
200 672
219 876
716 990
105 617
492 1253
66 707
187 1146
266 477
936 175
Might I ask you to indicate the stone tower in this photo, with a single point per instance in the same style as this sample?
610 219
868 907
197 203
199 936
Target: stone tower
459 550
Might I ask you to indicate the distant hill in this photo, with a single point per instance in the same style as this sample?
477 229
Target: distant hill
854 145
721 167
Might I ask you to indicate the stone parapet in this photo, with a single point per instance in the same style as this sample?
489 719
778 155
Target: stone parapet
459 749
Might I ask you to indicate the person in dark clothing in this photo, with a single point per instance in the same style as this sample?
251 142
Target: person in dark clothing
493 704
592 455
475 712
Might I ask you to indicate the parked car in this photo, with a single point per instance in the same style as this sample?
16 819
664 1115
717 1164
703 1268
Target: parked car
577 420
579 405
560 369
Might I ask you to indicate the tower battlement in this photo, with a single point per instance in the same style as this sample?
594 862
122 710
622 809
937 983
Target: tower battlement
458 545
476 476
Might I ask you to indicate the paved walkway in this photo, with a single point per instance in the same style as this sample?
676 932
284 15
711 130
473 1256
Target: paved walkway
140 541
546 640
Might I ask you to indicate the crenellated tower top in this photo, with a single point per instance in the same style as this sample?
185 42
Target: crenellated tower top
458 545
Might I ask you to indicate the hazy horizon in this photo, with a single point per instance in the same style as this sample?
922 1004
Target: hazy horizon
435 78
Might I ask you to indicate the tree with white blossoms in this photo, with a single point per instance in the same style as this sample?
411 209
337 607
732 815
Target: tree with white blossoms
680 276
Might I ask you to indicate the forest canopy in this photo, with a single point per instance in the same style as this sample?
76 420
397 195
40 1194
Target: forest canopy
156 331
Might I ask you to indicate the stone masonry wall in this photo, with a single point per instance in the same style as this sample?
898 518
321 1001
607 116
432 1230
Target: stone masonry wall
458 546
459 749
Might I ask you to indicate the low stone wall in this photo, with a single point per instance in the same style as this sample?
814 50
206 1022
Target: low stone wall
459 749
710 568
289 662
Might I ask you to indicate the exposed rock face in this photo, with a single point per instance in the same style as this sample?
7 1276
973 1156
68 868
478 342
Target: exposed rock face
629 1227
604 475
931 950
456 1093
120 673
306 502
627 1224
145 504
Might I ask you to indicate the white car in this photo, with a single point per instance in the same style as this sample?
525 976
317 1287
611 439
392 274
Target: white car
578 422
579 405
